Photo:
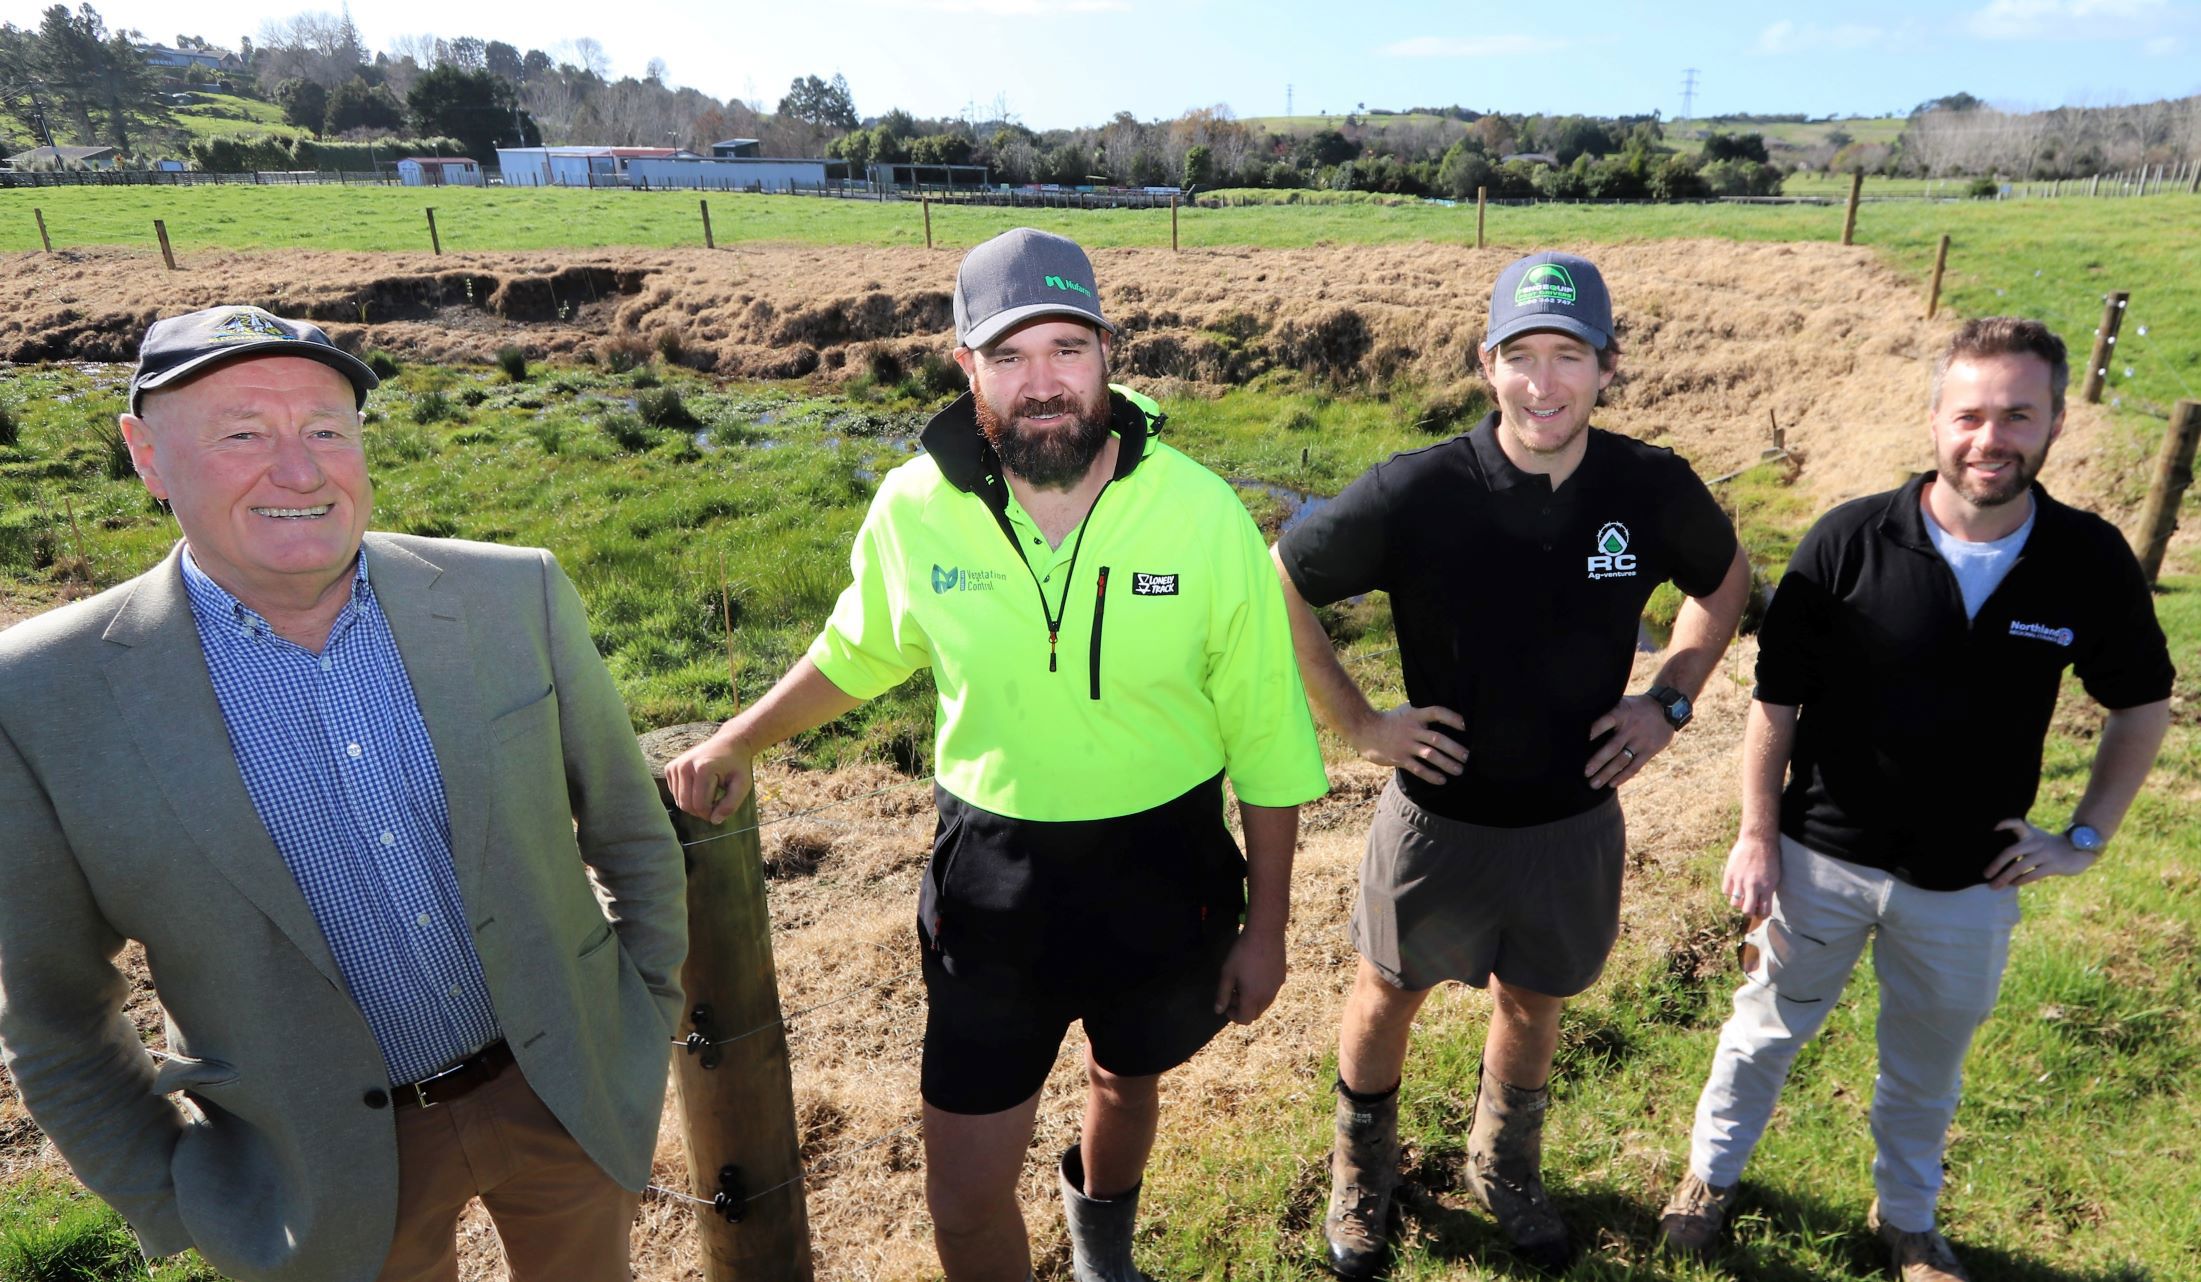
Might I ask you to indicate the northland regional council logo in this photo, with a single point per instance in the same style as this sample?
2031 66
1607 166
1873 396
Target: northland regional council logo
1613 559
1546 283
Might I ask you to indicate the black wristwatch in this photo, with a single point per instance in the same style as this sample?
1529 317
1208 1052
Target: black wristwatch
1676 705
2085 838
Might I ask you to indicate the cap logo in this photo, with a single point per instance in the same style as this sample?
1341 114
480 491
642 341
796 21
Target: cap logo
1057 282
246 327
1545 283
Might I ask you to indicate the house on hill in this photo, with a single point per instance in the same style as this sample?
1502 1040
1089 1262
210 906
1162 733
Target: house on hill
182 59
66 158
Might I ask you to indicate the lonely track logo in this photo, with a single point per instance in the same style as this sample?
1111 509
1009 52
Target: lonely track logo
1613 559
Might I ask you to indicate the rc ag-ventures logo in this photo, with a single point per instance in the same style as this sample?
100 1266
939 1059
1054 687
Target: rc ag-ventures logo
1613 559
1545 283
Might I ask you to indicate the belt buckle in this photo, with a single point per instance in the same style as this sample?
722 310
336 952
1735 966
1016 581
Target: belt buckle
420 1088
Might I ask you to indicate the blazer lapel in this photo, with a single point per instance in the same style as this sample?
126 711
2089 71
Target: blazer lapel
158 674
433 639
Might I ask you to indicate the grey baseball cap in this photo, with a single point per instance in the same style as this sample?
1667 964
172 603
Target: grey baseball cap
1550 291
1021 275
176 347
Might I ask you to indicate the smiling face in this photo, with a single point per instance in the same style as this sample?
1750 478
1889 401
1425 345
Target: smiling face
1546 384
1992 426
262 461
1041 394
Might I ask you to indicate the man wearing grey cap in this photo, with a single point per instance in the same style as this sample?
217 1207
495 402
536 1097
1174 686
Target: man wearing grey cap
1518 558
355 794
1109 644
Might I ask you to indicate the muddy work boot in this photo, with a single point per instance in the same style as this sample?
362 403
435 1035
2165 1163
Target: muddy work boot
1100 1228
1917 1257
1364 1169
1505 1163
1694 1216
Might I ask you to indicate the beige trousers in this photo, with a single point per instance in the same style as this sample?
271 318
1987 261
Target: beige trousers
561 1219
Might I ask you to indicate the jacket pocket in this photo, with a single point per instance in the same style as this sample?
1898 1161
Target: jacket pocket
182 1073
604 935
1100 608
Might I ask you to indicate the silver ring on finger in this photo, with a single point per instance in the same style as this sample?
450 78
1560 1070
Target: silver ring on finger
1629 751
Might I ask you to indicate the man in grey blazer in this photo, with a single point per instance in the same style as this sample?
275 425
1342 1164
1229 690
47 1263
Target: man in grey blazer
350 791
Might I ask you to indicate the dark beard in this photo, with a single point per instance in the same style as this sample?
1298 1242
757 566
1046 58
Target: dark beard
2010 485
1048 458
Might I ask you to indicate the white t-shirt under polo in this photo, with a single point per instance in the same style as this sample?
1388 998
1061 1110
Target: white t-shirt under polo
1980 567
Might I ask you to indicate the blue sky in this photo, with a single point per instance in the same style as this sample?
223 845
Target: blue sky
1066 62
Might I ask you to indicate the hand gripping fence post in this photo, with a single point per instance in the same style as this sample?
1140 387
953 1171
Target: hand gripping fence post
732 1077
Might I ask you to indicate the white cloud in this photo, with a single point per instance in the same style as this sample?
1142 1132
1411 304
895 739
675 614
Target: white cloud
2061 19
1507 46
1015 8
1785 37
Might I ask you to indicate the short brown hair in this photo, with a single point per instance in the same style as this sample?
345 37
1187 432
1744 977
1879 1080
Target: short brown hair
2007 336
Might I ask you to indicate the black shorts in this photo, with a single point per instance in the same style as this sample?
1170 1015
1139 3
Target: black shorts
1121 923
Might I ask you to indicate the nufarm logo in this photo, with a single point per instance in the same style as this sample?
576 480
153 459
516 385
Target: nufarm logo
1545 283
1613 559
2041 632
1064 282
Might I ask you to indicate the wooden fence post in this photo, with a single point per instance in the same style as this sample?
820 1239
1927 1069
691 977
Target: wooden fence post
926 201
1849 216
707 241
1173 224
737 1101
2105 345
2094 185
160 229
2193 185
43 238
1933 291
1482 199
434 239
2173 474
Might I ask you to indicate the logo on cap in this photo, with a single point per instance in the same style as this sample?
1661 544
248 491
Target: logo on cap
1057 282
1613 560
1545 283
246 327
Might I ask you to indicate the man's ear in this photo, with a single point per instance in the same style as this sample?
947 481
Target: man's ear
968 361
139 438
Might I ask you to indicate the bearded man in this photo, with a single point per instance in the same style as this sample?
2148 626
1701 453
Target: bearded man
1907 672
1109 644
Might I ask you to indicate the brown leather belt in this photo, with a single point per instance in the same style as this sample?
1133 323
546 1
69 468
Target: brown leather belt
457 1081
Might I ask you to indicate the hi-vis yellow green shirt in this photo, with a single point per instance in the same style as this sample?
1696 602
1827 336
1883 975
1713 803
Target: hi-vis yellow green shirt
1101 678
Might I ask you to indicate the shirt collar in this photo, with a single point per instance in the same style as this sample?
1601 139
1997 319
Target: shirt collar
1500 473
213 603
1905 517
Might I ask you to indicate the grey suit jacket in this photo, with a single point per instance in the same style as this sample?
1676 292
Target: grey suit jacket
123 816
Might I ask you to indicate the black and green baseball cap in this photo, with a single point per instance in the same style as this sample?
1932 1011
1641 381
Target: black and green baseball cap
177 347
1023 275
1550 291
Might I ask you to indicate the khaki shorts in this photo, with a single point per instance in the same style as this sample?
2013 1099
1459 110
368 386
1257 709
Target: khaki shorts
1538 907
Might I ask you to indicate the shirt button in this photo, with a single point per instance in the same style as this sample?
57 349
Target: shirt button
352 750
454 990
421 920
327 663
1547 547
390 838
1035 543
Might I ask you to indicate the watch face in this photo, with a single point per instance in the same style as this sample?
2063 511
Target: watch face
2084 839
1683 709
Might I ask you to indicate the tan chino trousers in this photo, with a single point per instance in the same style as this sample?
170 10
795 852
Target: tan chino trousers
560 1217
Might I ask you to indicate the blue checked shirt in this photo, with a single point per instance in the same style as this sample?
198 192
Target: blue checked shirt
338 763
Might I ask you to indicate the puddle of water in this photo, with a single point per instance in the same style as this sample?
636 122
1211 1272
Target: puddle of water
705 442
1298 504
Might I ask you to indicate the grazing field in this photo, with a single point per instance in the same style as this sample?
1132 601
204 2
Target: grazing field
657 484
220 115
1790 134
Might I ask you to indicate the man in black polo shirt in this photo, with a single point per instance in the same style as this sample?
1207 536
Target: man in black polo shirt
1518 559
1906 676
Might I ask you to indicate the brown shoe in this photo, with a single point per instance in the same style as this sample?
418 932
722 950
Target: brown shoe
1918 1257
1364 1170
1505 1162
1694 1216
